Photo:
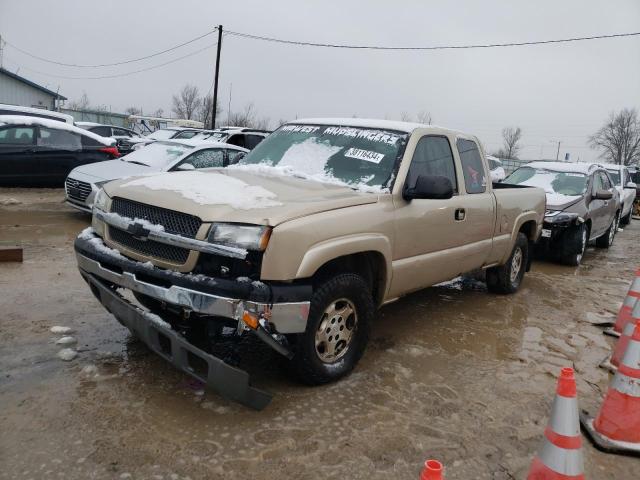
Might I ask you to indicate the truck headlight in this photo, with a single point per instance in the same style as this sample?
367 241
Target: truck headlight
251 237
101 200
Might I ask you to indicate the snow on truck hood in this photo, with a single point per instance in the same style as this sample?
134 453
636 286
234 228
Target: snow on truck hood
236 195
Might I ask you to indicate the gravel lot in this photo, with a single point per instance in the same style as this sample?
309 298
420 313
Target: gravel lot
452 373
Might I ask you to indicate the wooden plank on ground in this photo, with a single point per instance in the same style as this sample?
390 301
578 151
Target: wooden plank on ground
10 254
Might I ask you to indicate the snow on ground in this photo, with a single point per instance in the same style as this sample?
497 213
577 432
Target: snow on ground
210 188
61 329
67 354
68 340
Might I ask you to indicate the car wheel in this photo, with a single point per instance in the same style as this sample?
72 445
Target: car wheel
576 243
606 239
508 277
337 330
626 220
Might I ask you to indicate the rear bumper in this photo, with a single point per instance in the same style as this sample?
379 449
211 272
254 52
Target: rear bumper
225 379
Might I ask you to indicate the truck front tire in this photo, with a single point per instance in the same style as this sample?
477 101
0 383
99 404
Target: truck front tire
337 332
508 277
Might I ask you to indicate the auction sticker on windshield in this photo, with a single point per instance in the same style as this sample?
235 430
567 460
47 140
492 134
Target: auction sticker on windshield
366 155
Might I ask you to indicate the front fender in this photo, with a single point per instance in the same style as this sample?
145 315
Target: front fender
328 250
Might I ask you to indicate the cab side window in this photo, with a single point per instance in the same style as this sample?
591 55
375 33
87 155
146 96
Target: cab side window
237 140
472 167
206 159
235 156
605 181
432 156
597 182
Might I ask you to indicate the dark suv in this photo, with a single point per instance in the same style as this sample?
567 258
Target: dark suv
582 205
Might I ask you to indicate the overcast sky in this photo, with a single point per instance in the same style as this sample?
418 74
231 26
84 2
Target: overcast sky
554 92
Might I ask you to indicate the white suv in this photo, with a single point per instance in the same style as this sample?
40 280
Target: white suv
625 186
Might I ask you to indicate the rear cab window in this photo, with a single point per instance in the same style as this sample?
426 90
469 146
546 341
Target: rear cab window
472 167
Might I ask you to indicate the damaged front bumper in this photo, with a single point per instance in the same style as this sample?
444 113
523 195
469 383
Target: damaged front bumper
281 309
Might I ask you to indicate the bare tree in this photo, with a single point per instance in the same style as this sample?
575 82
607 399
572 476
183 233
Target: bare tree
187 103
511 137
158 113
248 118
424 117
204 113
82 104
619 138
405 117
133 111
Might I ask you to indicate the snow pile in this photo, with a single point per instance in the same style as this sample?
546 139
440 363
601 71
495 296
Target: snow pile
157 321
54 124
67 354
61 330
89 235
9 201
210 188
310 157
68 340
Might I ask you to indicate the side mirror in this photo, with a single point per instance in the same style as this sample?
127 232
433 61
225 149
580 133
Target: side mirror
603 195
432 187
631 185
186 167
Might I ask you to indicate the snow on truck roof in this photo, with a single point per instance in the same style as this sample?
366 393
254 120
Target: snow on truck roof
407 127
579 167
55 124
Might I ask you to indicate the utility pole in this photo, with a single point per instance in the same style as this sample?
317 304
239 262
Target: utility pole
215 81
558 152
1 51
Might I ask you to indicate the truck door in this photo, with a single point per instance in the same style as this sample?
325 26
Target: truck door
433 237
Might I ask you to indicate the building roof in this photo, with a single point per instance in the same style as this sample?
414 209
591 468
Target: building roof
56 95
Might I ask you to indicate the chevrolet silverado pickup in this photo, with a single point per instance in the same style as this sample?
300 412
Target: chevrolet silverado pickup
300 243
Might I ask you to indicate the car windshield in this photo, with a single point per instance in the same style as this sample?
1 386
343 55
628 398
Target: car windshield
615 176
493 164
158 154
565 183
162 134
357 157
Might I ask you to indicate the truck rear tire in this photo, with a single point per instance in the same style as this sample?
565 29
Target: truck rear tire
337 332
508 277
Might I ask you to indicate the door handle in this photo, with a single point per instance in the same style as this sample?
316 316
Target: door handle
460 214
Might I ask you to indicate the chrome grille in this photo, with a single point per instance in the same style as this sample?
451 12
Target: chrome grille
77 190
173 222
168 253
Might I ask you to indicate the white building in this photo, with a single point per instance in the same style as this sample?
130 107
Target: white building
17 90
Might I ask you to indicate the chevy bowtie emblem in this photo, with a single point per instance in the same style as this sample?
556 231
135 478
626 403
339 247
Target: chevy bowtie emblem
138 231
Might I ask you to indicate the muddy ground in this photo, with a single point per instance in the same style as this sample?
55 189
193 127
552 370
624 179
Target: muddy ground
452 373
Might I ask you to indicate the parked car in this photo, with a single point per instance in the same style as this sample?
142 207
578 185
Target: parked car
323 222
125 138
242 137
40 152
582 205
83 182
496 169
626 189
167 133
35 112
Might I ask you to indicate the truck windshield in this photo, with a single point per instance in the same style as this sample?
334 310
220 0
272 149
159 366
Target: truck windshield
158 154
353 156
566 183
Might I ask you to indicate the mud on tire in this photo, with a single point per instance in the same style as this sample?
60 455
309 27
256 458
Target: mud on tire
344 291
508 277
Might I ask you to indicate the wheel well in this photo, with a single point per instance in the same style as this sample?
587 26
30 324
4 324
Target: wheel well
369 265
529 229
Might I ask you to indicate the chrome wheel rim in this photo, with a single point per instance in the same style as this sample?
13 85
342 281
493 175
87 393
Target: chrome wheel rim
516 264
336 330
613 229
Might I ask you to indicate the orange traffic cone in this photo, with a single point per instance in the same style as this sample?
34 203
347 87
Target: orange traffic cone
630 308
623 342
432 470
616 429
560 457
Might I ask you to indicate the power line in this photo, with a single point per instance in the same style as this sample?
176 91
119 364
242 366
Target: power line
55 62
125 74
437 47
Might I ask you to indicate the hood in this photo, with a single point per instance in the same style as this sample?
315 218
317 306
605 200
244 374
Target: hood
111 170
559 201
229 195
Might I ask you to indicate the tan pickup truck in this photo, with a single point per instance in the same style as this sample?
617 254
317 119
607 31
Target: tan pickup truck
321 224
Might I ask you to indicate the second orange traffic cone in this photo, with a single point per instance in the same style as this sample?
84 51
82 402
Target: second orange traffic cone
560 456
432 470
628 308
